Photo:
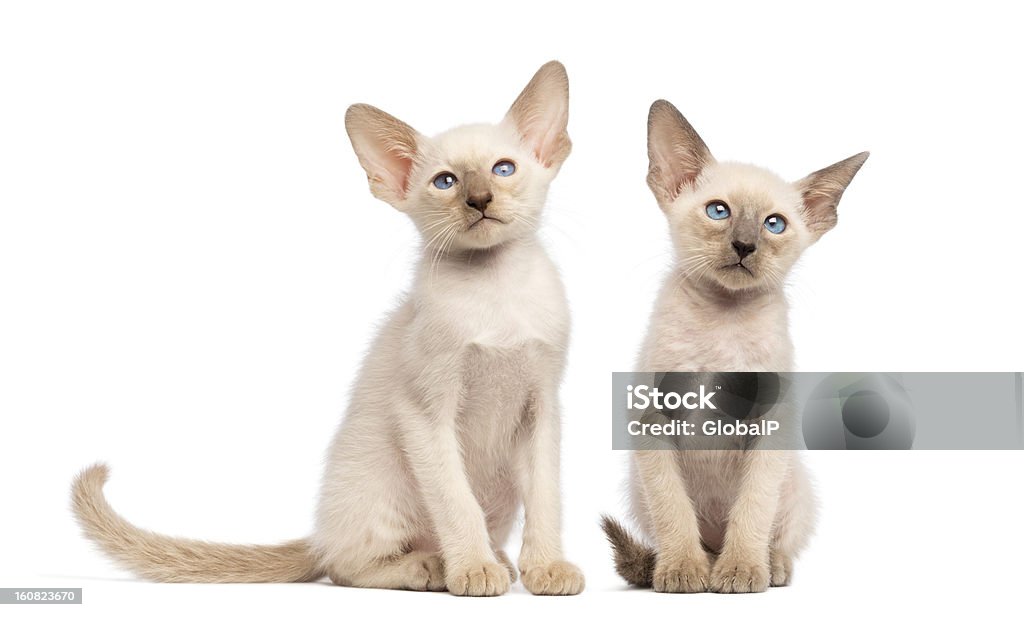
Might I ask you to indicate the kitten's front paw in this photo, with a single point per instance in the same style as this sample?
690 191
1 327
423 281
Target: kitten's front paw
558 578
682 575
480 579
735 575
782 569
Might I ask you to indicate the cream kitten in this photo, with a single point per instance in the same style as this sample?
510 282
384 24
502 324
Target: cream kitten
454 418
725 521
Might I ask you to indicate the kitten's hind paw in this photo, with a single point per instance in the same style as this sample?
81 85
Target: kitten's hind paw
427 573
781 569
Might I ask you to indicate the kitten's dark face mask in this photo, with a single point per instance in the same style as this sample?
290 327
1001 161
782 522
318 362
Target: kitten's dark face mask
737 233
734 226
738 228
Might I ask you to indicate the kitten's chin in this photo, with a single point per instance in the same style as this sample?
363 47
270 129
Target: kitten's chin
739 279
485 233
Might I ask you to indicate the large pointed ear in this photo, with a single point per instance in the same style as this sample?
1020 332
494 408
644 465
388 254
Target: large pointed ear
822 190
541 114
386 148
676 153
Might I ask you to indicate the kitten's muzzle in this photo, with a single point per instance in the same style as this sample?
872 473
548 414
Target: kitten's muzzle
479 202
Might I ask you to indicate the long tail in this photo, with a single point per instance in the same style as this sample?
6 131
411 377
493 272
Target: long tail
174 560
634 560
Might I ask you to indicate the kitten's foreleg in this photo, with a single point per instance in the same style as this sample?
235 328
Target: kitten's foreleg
541 562
432 446
682 566
743 565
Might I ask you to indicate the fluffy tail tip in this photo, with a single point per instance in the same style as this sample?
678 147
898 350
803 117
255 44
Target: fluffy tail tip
634 560
88 483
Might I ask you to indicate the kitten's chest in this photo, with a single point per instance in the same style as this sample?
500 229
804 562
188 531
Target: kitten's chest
508 319
749 345
684 337
506 311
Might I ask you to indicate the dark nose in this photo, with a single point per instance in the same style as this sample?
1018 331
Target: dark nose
479 201
743 248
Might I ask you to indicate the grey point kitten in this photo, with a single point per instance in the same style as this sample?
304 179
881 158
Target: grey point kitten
723 520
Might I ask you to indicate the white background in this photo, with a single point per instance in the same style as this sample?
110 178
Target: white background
191 265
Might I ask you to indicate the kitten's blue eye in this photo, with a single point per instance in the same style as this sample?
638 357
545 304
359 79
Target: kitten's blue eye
775 224
504 168
717 210
445 180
